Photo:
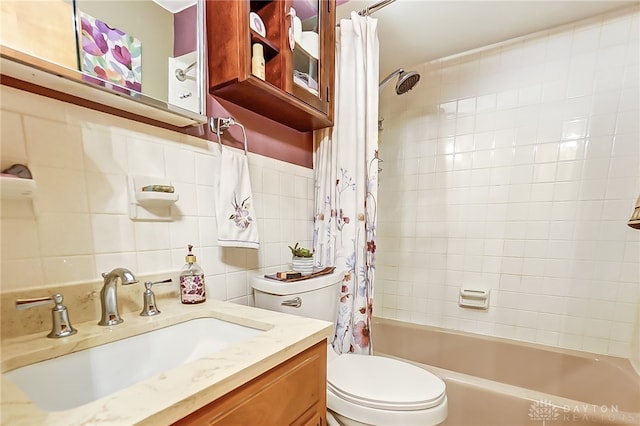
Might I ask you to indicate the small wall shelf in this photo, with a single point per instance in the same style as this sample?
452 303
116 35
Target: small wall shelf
150 205
15 188
156 199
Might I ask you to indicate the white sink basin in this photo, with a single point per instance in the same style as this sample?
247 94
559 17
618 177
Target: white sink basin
72 380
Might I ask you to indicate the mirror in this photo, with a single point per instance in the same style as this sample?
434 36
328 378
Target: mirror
306 54
149 51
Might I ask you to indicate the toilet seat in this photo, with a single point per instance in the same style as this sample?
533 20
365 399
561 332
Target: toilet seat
384 383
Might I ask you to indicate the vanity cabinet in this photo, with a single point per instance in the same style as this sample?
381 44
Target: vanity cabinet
299 56
292 393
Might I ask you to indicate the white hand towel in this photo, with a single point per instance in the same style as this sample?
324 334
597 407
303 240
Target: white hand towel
236 218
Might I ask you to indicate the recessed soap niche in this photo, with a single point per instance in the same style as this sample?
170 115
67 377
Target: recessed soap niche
150 205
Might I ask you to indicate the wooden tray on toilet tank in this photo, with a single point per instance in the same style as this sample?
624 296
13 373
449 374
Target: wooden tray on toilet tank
314 274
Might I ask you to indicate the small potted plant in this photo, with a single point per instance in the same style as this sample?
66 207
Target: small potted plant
302 259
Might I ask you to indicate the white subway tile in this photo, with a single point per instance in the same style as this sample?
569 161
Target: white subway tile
12 141
104 151
586 39
180 165
20 238
65 234
206 169
53 144
152 236
112 233
559 46
21 273
146 157
60 190
155 261
615 32
106 262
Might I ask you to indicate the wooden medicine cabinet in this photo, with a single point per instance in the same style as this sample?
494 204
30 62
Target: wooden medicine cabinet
299 56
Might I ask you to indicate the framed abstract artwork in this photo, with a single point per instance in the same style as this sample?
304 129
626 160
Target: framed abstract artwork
110 54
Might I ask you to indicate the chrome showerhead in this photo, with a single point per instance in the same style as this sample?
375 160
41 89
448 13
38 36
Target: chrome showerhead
406 80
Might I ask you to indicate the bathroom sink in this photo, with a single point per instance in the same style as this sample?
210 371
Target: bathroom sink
78 378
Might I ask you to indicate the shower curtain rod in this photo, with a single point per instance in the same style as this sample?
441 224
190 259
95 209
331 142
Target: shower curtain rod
375 7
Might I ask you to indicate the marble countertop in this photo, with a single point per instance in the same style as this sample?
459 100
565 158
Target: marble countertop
170 396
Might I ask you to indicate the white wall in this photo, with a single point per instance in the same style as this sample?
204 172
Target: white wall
80 160
515 168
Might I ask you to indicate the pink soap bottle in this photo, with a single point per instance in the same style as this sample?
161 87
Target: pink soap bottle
192 281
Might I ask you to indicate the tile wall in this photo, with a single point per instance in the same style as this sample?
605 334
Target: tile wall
78 225
514 168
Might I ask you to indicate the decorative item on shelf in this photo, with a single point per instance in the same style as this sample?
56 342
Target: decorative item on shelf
257 61
302 260
256 24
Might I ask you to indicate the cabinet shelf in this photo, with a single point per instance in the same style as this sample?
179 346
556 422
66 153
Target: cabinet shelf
270 50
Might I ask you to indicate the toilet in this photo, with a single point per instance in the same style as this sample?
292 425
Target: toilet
362 390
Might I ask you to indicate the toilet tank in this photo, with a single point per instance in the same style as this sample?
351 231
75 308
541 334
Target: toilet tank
312 298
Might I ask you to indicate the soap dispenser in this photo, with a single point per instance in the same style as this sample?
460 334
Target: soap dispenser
192 281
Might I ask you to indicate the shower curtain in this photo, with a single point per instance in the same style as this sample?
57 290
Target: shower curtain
346 182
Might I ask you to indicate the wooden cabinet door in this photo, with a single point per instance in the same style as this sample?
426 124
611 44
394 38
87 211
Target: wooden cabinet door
292 393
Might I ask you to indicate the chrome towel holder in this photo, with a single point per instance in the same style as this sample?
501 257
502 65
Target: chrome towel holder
219 124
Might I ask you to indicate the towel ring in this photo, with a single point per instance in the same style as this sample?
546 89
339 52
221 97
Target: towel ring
219 124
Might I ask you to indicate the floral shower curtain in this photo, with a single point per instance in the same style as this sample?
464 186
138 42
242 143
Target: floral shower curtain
346 182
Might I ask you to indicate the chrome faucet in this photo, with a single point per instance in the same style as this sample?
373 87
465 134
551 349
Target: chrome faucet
109 294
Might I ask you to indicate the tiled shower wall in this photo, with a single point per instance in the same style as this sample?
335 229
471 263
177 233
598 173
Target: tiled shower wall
78 224
515 168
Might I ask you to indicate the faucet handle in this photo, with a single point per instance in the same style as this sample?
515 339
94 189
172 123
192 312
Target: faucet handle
32 302
149 307
61 326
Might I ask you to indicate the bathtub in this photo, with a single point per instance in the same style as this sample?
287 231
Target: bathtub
500 382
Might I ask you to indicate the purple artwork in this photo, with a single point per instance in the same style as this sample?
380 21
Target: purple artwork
110 54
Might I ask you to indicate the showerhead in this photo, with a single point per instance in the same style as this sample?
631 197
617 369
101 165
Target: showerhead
406 80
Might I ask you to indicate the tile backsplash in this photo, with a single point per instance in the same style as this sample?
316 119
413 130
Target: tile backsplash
78 226
515 168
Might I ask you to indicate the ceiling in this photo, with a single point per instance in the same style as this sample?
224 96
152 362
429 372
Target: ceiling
175 6
416 31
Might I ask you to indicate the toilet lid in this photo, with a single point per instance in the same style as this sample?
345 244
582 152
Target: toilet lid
383 383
